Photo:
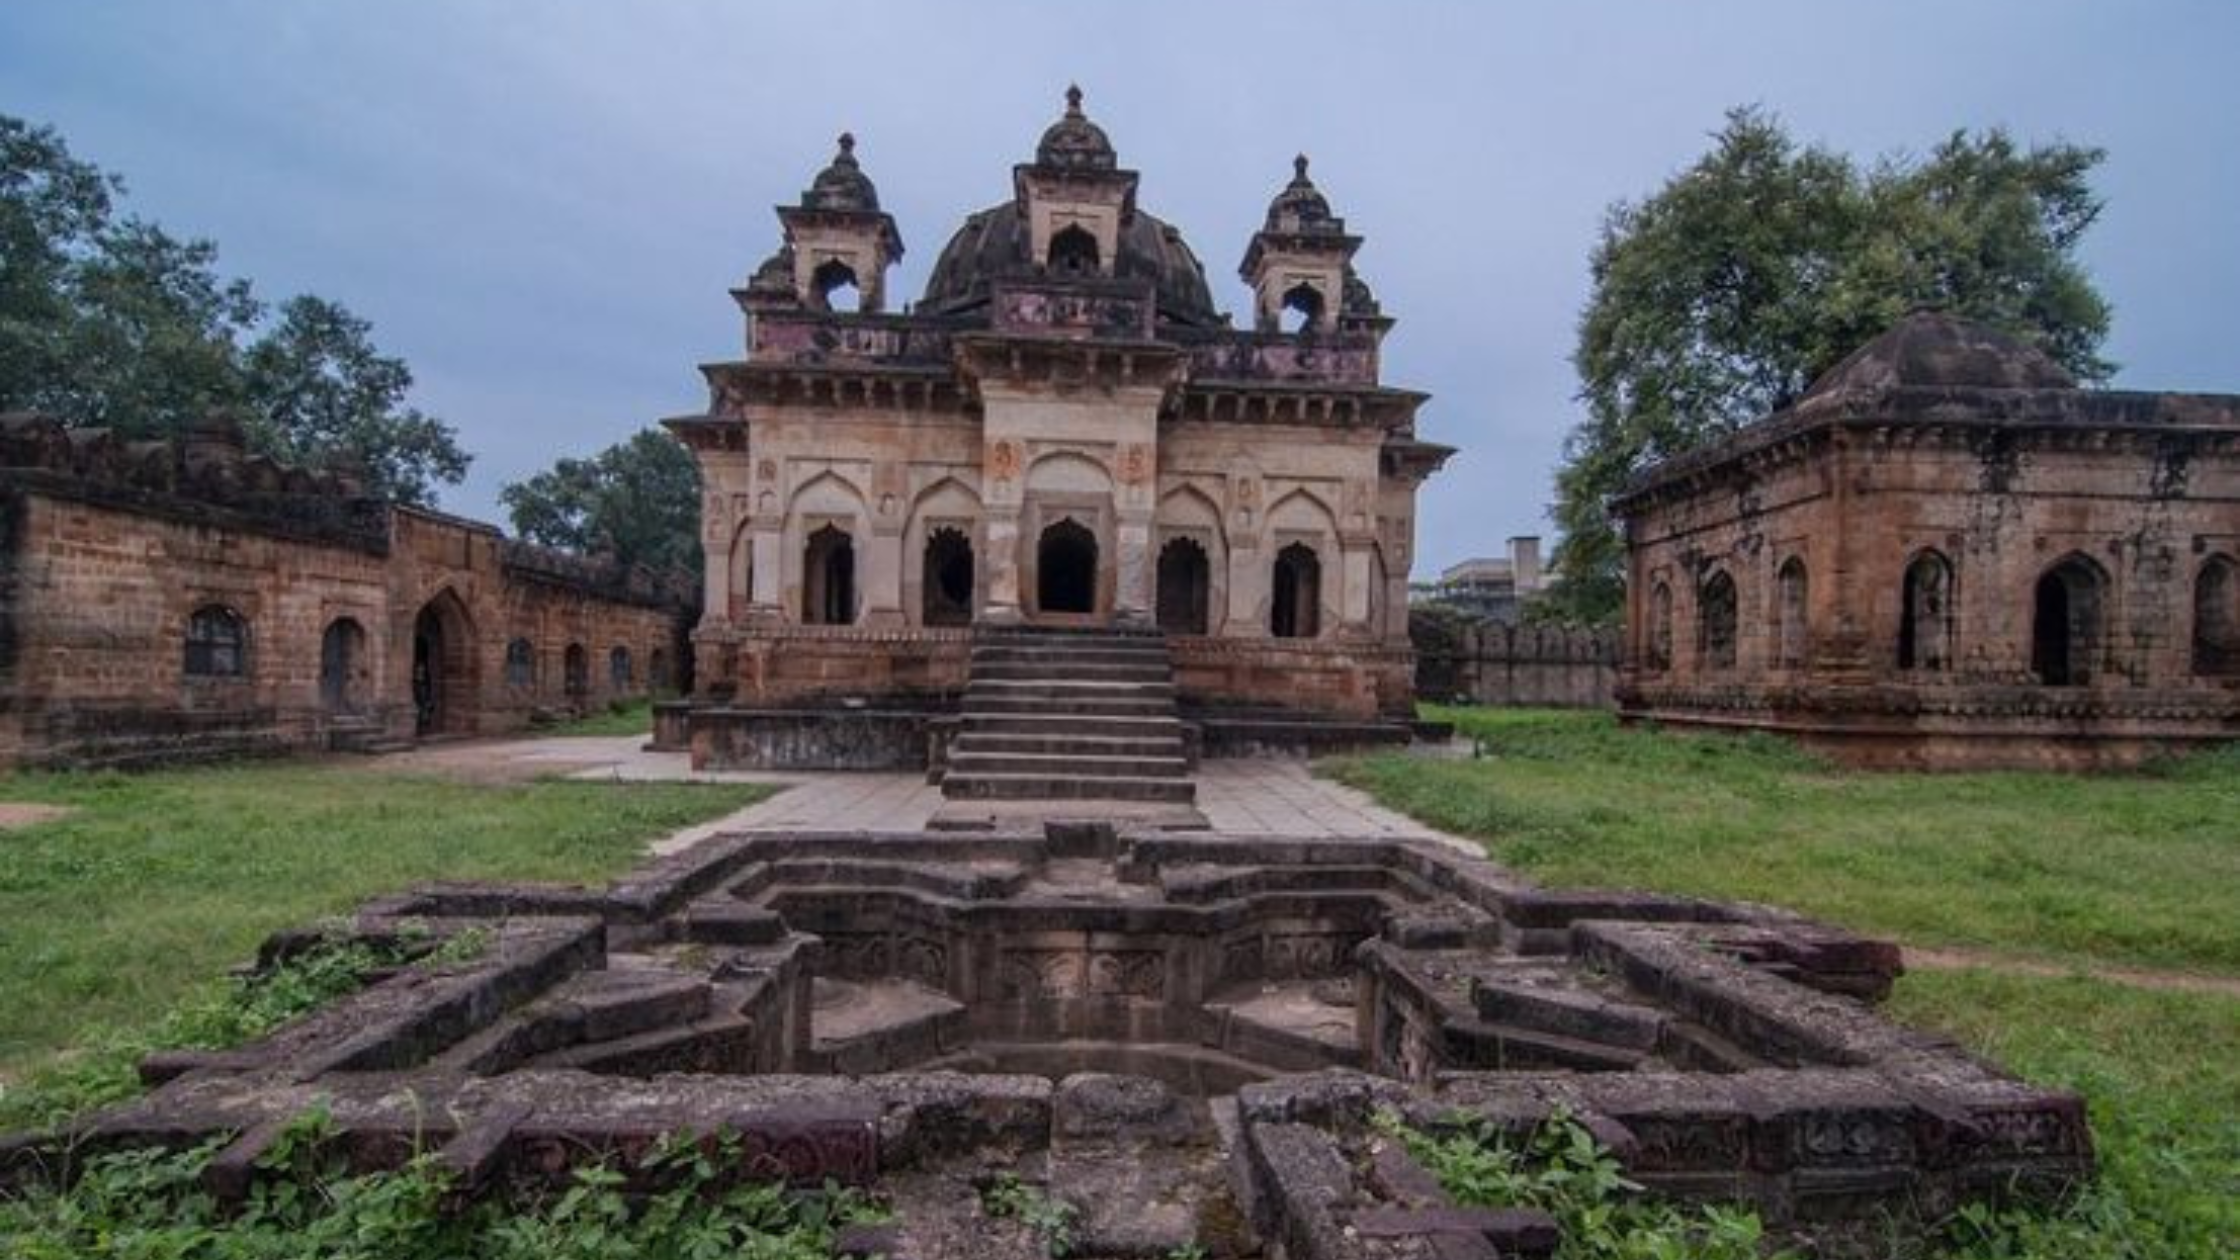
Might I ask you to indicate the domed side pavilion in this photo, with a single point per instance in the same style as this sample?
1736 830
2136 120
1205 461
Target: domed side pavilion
1063 432
1947 555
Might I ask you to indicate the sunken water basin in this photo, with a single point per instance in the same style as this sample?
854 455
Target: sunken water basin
1186 1036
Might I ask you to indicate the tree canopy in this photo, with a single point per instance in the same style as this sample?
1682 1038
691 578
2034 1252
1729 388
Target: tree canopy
638 500
1718 299
108 320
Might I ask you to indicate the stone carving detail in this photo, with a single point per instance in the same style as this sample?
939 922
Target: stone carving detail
857 957
925 961
1301 957
1135 464
1128 973
1003 459
1041 973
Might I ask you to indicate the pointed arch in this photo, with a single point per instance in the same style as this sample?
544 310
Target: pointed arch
444 661
2068 623
1925 612
1792 587
1658 655
1717 607
2216 617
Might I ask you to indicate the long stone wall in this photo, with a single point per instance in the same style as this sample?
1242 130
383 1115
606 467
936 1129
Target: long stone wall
1461 660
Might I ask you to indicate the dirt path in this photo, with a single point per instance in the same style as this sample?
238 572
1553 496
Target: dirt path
1927 958
14 814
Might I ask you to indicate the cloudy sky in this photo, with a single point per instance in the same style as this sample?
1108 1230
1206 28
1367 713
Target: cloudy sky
541 206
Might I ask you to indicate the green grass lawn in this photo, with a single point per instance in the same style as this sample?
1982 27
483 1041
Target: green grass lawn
633 717
2137 870
159 882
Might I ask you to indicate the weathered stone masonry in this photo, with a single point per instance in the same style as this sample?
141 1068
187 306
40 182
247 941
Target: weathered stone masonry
173 601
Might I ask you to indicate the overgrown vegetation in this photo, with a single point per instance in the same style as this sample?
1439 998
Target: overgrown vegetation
1052 1219
215 1017
1563 1171
2084 871
156 882
305 1206
620 717
2138 869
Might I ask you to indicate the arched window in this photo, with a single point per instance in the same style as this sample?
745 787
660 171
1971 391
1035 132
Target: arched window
1185 582
620 680
1660 627
834 287
1066 569
217 643
1295 612
1716 621
1925 614
657 670
1073 252
2216 618
946 578
828 578
342 649
575 671
1302 308
1791 635
521 664
2065 626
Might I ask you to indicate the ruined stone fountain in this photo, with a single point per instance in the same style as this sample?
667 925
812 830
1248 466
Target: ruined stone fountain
1185 1035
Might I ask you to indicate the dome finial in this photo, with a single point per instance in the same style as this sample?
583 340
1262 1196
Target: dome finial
1073 100
1299 168
847 144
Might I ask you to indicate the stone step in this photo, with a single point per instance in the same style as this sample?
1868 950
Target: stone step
1038 725
1068 705
971 760
1069 634
1038 787
1054 745
987 654
1066 670
1089 687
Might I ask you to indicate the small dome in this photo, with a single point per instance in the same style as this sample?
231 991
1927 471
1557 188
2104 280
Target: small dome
1301 207
1930 349
842 185
774 278
1075 143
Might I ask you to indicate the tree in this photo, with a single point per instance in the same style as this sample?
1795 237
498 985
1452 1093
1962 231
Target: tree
639 499
320 393
111 321
1720 298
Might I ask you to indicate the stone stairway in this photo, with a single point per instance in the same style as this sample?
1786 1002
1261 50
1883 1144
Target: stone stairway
1069 715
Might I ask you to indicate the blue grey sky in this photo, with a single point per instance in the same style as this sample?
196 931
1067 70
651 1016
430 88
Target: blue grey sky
541 206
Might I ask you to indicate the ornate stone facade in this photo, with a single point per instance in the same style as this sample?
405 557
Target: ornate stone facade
164 602
1061 431
1948 555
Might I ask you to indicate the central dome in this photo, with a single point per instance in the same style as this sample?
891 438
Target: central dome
994 245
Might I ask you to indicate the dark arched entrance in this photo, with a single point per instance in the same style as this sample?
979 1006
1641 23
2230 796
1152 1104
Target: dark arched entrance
1066 569
2065 625
828 578
342 651
575 674
443 667
1295 611
947 579
1185 581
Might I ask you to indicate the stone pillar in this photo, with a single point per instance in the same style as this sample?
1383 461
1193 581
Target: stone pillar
881 578
1001 605
768 596
1133 599
1355 563
1248 588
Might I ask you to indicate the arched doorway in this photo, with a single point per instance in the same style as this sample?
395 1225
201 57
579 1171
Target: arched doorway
1066 569
828 578
443 667
1185 582
342 650
946 581
575 674
1296 609
2065 625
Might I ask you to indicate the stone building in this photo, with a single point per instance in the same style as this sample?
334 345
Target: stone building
163 602
1062 431
1491 588
1946 554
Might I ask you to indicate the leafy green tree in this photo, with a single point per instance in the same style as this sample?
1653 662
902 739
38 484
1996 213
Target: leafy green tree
111 321
639 499
1717 300
320 393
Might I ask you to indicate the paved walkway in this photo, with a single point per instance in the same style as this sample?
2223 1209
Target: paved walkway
1257 797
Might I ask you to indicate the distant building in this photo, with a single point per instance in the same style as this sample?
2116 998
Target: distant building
1494 589
1946 554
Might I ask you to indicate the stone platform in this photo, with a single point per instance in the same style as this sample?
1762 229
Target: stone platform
1187 1035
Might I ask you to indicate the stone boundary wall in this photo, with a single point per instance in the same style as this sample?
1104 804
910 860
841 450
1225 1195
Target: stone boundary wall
1462 660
